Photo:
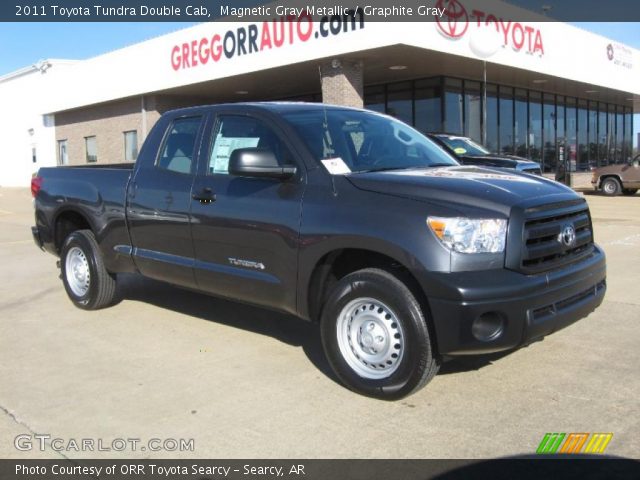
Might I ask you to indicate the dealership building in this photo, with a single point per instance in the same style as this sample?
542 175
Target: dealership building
544 90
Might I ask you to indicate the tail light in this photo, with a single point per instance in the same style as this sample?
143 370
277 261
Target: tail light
36 185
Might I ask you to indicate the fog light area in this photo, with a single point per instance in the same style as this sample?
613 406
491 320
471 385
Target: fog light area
488 326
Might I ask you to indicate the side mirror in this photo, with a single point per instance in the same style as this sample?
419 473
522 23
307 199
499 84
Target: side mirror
258 163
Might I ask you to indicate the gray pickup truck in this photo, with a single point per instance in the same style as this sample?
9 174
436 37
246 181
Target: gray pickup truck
339 216
620 178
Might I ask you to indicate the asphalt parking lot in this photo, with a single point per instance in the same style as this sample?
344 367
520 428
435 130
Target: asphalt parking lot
246 383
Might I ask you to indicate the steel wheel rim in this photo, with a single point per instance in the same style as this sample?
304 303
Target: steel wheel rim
77 272
370 338
609 187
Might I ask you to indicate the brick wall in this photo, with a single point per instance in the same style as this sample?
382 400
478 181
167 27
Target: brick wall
342 83
108 122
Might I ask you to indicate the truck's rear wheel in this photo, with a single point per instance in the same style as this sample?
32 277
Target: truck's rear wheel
375 336
86 280
611 186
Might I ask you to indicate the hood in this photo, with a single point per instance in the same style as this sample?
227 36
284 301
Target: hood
464 187
495 160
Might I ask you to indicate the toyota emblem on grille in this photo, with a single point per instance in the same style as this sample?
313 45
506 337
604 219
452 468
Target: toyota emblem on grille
568 236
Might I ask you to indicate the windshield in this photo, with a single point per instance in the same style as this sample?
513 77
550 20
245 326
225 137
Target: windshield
366 141
464 146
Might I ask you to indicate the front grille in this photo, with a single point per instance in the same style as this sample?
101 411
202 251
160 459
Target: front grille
543 246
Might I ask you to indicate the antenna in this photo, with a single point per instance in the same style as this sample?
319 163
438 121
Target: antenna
325 133
326 140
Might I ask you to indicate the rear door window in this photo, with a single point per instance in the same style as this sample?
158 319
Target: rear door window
178 149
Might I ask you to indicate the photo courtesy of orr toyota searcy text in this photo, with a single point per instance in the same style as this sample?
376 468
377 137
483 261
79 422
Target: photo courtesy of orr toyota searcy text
259 37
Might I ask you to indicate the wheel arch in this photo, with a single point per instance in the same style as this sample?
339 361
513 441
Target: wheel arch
67 221
609 175
338 262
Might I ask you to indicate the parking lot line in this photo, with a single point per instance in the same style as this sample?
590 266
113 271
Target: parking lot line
16 242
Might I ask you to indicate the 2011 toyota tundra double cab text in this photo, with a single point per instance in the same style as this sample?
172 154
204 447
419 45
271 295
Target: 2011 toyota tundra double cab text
339 216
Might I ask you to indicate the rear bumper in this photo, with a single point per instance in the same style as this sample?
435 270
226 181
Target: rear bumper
35 232
525 307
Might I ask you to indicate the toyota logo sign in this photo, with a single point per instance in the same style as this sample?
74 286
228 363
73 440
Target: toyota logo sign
455 20
567 236
610 52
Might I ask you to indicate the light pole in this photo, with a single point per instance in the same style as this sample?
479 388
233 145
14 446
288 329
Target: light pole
484 42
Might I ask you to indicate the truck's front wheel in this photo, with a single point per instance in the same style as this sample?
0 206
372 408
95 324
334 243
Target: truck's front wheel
611 186
375 336
87 282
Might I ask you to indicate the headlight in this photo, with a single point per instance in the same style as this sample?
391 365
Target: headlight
469 235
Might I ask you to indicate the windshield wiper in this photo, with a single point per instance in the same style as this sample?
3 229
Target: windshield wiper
410 167
383 169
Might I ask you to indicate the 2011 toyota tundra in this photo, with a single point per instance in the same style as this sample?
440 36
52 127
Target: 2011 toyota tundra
340 216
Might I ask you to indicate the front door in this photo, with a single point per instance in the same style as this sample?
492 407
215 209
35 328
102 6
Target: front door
245 230
632 174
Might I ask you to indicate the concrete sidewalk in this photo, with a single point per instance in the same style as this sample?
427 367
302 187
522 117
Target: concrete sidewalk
246 383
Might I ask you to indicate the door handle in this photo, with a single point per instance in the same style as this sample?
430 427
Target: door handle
205 196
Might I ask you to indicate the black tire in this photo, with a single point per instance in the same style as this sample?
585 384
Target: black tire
98 288
629 191
417 364
611 186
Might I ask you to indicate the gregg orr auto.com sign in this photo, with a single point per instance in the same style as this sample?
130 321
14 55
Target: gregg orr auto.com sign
258 37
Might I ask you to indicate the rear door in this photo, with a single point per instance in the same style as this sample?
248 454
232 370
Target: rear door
246 235
160 202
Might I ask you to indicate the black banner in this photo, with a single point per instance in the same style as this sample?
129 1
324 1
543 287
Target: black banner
557 466
256 10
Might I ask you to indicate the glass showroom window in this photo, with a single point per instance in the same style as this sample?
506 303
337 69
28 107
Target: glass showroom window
593 133
91 147
520 122
572 133
583 126
374 98
619 134
399 101
535 126
628 134
491 128
453 101
602 134
130 146
560 131
506 120
428 108
611 137
549 132
473 110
